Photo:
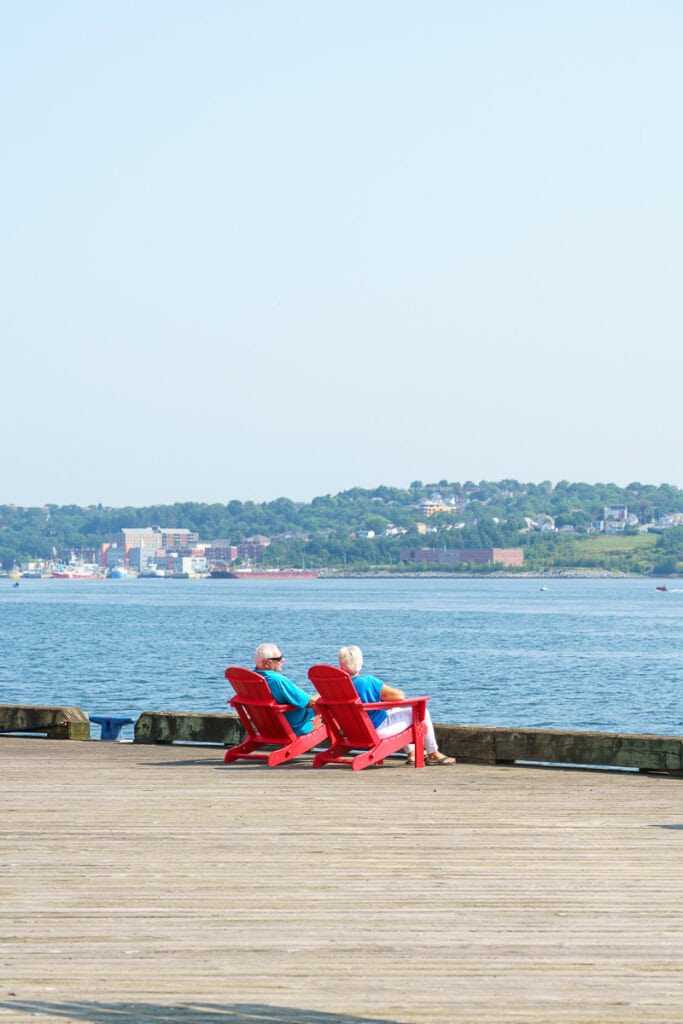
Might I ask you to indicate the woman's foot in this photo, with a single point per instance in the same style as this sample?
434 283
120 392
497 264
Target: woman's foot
438 758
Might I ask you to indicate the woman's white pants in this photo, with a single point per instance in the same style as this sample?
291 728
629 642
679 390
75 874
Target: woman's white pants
400 718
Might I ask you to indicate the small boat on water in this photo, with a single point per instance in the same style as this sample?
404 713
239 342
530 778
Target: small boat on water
119 572
663 587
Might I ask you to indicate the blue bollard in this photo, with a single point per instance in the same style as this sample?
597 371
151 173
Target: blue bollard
111 727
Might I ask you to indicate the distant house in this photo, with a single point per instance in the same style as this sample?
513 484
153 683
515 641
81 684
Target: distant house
672 519
617 518
431 507
546 524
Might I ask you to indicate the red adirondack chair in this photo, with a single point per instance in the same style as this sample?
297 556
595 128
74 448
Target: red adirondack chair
265 722
349 725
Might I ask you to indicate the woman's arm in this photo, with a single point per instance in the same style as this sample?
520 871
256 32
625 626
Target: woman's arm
390 693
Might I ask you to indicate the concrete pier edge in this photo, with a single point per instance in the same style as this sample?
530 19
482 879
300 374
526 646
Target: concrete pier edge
468 743
58 722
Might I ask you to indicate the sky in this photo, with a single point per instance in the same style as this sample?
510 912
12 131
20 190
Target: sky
264 249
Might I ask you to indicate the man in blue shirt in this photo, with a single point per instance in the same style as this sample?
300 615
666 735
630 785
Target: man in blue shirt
302 718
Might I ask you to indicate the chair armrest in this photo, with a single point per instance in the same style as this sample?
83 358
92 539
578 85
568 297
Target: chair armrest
408 702
234 701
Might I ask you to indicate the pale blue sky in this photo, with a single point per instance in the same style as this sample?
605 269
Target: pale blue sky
258 249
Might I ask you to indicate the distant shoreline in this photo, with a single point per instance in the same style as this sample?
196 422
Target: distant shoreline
388 574
540 574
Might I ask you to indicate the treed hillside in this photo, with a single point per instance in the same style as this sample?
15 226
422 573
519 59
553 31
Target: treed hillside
362 528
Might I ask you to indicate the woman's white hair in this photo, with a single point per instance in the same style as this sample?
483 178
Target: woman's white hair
351 659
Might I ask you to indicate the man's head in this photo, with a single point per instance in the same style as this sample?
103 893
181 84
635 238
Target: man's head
268 656
351 660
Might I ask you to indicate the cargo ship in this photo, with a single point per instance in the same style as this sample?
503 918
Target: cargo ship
218 572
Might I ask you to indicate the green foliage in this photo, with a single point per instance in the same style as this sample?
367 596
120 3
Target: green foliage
327 531
671 540
665 566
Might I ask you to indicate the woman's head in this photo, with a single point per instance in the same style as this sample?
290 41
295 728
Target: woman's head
351 660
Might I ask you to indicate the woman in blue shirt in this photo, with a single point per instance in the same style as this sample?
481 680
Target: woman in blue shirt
370 689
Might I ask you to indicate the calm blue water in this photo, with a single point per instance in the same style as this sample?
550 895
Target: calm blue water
585 654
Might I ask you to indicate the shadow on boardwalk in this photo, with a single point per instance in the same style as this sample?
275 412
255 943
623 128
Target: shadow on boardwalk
191 1013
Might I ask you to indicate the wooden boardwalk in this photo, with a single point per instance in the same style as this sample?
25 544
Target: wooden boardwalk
155 884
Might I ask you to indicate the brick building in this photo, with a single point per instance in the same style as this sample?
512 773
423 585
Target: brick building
458 556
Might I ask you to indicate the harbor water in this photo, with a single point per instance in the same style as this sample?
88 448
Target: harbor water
599 654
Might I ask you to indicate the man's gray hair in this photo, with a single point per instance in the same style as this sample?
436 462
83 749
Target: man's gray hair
351 659
264 652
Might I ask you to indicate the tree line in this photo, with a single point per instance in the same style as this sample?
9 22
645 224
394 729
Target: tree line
337 530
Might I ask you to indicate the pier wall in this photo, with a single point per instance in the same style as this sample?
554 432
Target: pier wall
184 726
468 743
58 723
474 743
502 745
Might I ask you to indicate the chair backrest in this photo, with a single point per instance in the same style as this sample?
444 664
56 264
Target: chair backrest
339 697
253 697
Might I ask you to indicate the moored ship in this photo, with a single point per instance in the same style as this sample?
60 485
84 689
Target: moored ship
119 572
223 573
77 571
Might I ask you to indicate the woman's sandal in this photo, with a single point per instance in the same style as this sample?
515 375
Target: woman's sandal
443 760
